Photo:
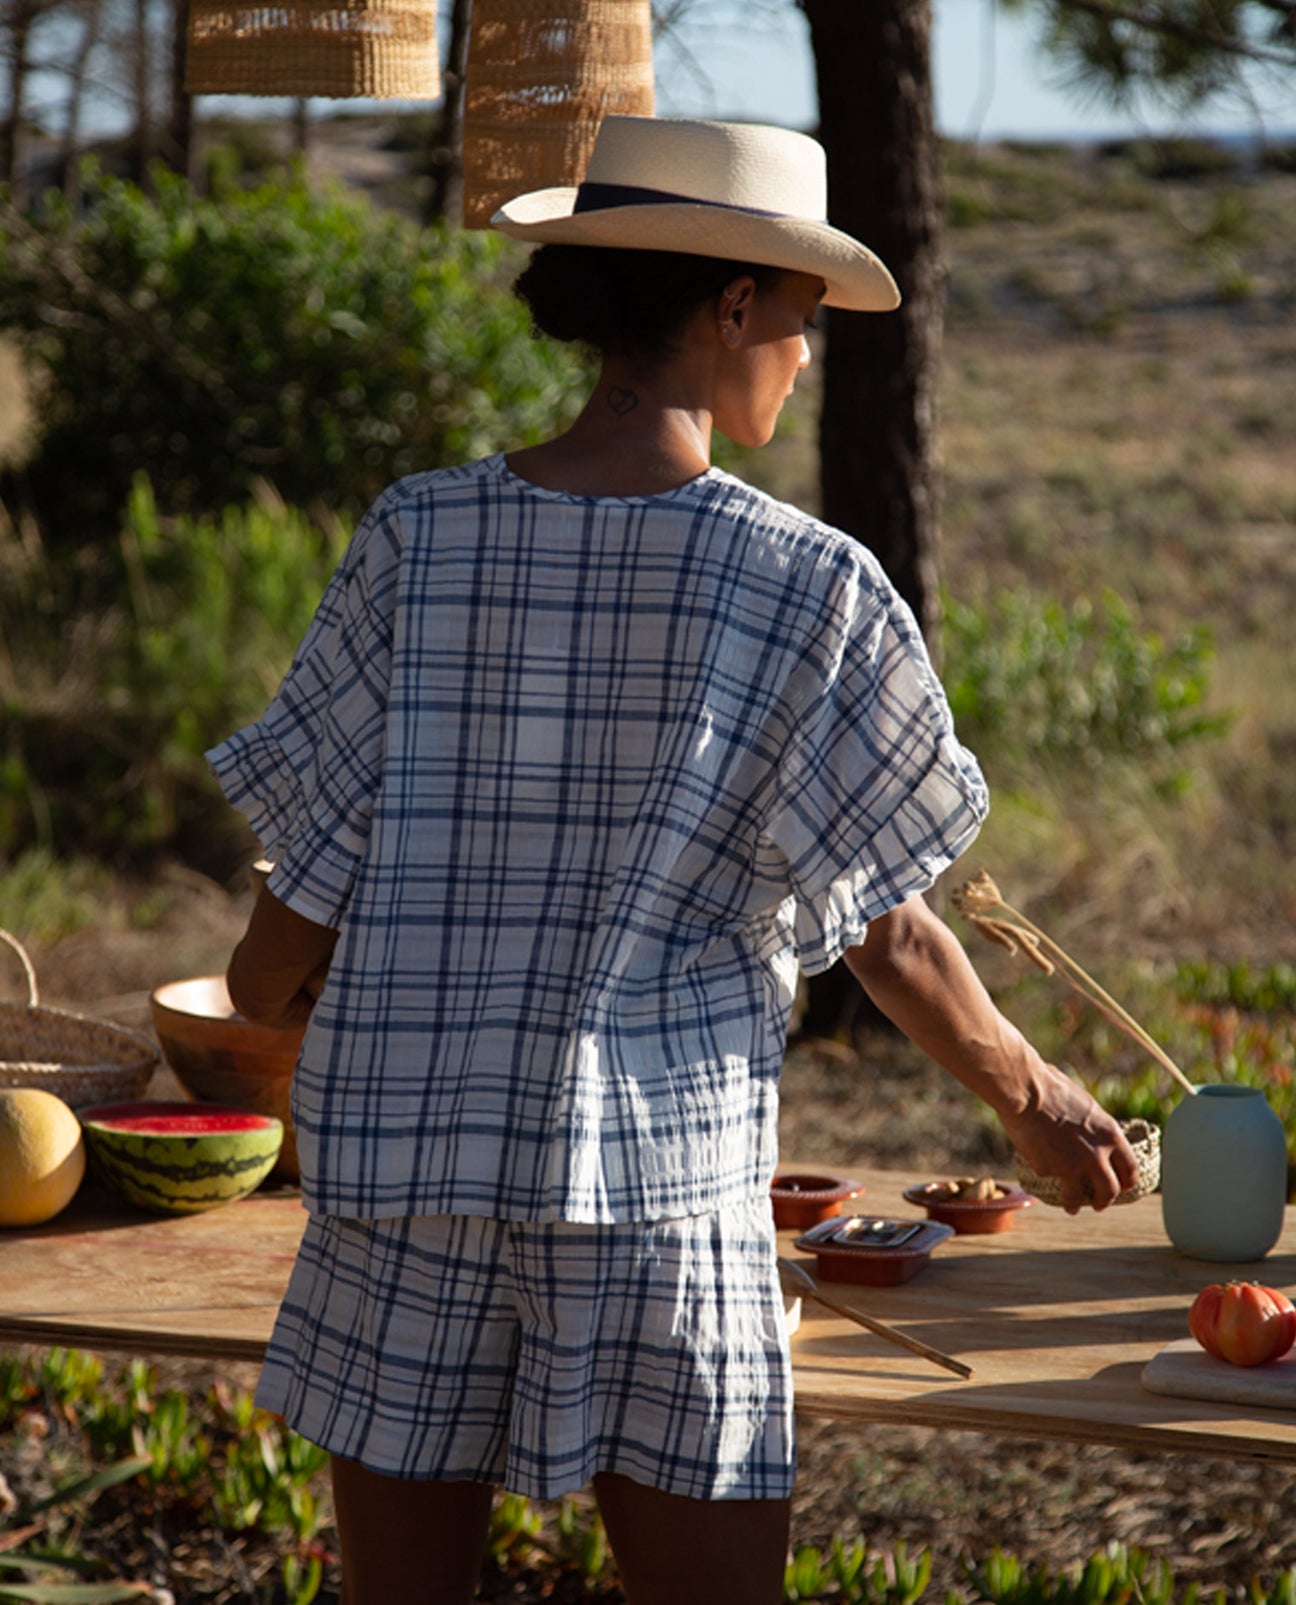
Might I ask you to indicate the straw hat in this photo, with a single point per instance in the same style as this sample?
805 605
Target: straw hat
738 191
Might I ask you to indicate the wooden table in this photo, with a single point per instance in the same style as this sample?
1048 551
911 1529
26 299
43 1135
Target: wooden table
1057 1316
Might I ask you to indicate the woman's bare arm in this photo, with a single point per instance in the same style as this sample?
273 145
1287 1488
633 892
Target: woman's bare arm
915 969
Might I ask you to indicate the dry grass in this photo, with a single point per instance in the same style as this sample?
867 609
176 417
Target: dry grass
15 405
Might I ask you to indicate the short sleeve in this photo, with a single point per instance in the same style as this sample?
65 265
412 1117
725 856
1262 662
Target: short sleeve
306 775
875 794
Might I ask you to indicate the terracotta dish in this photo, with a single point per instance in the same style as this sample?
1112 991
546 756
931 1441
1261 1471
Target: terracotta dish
803 1198
881 1252
970 1214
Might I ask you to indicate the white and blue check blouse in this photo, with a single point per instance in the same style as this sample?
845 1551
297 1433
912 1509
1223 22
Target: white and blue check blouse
581 782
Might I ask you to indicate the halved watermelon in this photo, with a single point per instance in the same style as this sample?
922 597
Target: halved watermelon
180 1158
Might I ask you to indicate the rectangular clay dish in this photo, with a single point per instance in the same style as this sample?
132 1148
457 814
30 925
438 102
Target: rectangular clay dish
877 1264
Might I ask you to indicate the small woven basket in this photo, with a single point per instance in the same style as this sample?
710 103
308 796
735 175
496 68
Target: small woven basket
541 76
384 49
1143 1137
80 1059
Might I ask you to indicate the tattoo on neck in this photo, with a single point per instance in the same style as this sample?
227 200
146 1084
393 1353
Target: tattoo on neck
622 401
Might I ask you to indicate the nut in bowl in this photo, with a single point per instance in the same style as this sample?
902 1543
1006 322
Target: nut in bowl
970 1203
803 1198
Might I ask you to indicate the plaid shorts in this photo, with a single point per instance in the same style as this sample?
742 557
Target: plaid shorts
533 1356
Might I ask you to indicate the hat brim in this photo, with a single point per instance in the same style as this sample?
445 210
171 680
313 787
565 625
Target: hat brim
856 279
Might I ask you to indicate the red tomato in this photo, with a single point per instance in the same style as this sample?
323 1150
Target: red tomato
1242 1322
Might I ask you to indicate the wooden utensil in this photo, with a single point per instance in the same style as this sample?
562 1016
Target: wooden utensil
799 1284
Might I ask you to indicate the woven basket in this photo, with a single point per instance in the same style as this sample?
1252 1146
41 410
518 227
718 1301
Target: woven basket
541 77
385 49
1144 1138
78 1058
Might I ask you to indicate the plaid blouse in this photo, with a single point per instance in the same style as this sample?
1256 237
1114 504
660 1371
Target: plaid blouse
581 781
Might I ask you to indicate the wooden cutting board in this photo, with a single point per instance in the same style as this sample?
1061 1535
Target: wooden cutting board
1186 1371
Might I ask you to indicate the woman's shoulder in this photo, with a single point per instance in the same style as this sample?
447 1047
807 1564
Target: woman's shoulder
799 535
428 484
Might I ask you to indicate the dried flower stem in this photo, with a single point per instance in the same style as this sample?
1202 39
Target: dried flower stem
982 904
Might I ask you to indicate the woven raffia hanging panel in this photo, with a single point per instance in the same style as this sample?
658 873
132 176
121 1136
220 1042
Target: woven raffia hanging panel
540 79
386 49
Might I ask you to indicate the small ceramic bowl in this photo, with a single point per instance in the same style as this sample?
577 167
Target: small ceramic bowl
970 1214
803 1198
897 1251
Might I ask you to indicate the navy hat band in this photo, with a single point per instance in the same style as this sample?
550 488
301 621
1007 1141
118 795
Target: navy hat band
601 197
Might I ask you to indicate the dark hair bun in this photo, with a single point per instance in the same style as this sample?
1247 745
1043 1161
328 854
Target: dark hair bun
622 299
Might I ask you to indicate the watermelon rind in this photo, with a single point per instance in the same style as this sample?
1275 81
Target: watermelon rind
180 1173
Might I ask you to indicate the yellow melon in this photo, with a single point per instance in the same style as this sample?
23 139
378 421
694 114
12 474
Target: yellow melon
42 1156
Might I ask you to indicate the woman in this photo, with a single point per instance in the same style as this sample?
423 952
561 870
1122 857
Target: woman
589 747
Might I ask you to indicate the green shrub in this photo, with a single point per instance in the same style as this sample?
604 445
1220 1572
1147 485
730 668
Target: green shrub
1170 158
1035 680
274 333
237 151
105 730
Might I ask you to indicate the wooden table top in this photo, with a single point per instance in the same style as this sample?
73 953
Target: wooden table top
1057 1316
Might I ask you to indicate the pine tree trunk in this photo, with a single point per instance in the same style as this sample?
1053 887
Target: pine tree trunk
178 144
13 131
70 151
880 462
142 139
878 432
445 152
301 127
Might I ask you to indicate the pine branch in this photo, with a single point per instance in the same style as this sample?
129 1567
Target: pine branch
1156 17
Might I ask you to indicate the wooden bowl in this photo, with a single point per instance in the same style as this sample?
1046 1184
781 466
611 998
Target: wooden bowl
971 1214
219 1057
803 1198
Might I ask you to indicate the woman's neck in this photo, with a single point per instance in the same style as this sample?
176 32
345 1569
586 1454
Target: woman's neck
639 434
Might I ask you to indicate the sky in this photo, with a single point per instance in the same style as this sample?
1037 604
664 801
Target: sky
991 81
751 59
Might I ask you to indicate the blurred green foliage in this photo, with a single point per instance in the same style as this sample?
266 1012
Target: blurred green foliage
178 633
1031 679
274 332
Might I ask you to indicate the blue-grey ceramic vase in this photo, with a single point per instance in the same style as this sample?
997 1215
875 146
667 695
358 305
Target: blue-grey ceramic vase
1223 1174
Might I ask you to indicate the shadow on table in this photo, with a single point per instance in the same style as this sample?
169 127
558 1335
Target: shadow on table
979 1303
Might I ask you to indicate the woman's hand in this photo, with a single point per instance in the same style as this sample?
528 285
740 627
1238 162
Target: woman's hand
915 969
277 971
1063 1132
